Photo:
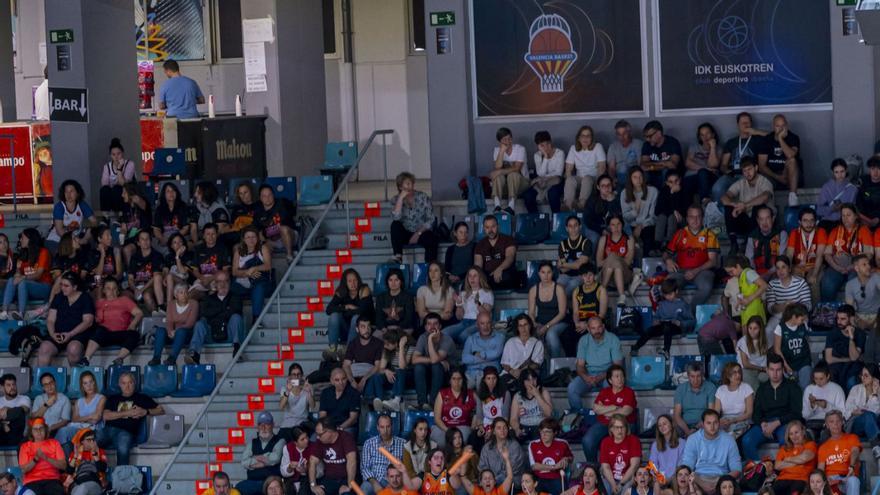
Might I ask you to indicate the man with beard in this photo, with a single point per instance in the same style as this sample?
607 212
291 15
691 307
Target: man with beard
261 457
496 255
14 410
803 250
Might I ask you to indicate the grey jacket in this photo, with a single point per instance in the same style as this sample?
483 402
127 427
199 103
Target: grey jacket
490 458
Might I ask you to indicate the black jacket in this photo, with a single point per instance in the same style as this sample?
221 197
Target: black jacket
218 312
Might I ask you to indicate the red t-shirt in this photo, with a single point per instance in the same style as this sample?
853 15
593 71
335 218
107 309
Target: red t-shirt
626 397
549 455
692 250
457 411
619 455
114 315
334 455
44 261
43 470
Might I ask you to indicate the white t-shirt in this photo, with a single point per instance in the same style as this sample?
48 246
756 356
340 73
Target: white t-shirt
831 393
516 352
733 403
586 162
18 401
517 154
470 305
550 167
754 359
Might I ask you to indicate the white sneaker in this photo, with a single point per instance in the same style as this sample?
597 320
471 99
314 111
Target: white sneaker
378 404
392 404
36 313
876 451
4 315
634 285
792 199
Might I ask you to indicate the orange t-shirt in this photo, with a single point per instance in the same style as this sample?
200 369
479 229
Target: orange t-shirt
690 249
839 240
389 491
435 485
44 261
835 454
498 490
800 472
42 470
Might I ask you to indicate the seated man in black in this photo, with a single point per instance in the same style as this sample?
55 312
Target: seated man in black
779 159
211 258
14 410
496 255
868 197
276 218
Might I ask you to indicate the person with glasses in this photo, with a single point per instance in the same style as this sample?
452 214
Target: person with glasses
9 486
601 207
51 406
863 292
734 400
220 316
585 161
549 457
838 248
620 456
87 465
262 456
766 243
863 406
659 154
70 320
623 153
42 460
337 451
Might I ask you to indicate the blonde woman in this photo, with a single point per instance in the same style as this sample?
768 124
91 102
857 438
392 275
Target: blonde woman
585 162
476 296
182 315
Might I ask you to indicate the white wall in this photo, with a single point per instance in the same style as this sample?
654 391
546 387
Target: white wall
391 84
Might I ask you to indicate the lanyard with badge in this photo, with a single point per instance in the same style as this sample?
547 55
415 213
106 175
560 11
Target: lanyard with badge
741 148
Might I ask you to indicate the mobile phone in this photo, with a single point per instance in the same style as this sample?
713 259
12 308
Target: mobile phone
294 382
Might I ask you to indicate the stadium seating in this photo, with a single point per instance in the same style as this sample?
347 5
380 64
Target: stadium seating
716 366
159 380
369 423
197 380
164 431
7 327
646 372
382 270
283 187
558 232
410 418
59 373
315 190
532 228
113 374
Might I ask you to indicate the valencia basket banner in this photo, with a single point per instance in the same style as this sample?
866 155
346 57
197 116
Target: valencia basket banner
557 57
735 53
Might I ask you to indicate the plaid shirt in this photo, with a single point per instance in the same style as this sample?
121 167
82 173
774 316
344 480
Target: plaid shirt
373 463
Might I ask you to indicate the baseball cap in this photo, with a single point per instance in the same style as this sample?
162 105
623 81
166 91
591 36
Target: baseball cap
265 418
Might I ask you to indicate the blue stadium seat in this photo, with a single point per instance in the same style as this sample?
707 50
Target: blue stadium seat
7 328
410 418
143 434
15 471
505 224
73 389
159 380
679 363
532 271
558 232
315 190
59 373
650 266
147 473
508 314
198 380
283 187
231 196
532 228
648 419
382 270
113 374
646 372
368 429
419 277
340 155
705 313
716 366
168 162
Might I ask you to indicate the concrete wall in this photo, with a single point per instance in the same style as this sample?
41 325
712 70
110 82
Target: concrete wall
459 143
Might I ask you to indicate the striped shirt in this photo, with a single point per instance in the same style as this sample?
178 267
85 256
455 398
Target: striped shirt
798 291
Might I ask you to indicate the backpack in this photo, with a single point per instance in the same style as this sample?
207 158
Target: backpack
573 427
304 225
476 202
126 480
753 477
629 322
824 316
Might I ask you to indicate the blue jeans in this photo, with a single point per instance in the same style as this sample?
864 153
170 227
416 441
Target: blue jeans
26 289
181 337
700 183
569 282
591 440
721 186
337 328
865 426
421 378
374 387
368 489
577 389
832 281
851 486
399 385
259 289
117 438
250 487
554 199
754 438
235 329
553 340
461 330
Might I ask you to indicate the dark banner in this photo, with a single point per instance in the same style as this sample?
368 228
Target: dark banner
557 57
224 147
723 53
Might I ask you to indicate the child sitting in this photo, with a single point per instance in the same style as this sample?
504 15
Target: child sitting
673 316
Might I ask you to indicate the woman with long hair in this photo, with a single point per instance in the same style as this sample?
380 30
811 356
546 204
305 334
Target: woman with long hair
475 296
351 299
751 352
71 257
436 479
105 262
87 411
590 484
208 208
115 174
500 441
32 279
182 315
455 397
667 449
818 484
71 214
69 323
614 256
703 163
179 264
295 459
863 404
395 307
529 407
459 256
252 269
454 448
548 307
494 400
436 296
117 320
529 484
417 446
795 460
7 260
727 485
297 399
136 215
637 205
843 242
684 483
734 400
171 214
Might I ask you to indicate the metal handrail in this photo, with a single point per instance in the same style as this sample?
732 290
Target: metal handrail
274 298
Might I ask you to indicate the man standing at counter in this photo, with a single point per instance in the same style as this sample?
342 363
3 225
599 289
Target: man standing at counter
180 94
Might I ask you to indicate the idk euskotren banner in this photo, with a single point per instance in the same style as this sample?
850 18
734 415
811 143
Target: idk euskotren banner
735 53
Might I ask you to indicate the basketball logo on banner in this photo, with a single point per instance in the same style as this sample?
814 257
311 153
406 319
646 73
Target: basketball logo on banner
551 53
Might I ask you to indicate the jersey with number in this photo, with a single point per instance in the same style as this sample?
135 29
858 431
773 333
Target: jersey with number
795 346
691 250
437 485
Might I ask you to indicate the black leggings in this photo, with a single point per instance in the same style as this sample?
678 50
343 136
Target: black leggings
664 328
46 487
400 237
128 339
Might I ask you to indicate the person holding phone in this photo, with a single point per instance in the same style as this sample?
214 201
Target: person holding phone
297 399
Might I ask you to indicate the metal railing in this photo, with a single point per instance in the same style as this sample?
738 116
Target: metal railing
275 298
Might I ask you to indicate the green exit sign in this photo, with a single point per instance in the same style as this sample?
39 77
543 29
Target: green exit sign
442 18
843 3
61 36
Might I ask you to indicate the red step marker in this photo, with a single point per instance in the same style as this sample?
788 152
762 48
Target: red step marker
245 419
235 436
